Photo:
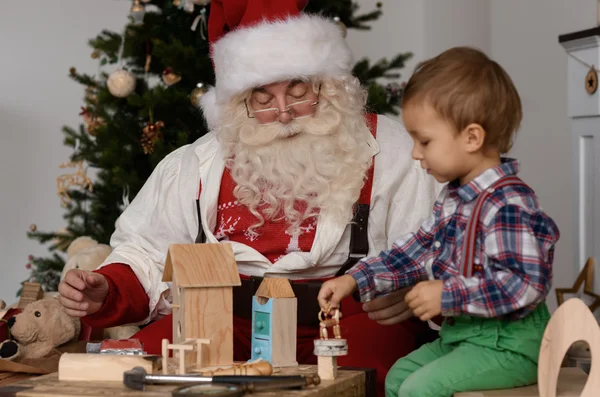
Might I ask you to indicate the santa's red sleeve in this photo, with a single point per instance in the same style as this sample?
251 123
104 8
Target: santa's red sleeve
127 302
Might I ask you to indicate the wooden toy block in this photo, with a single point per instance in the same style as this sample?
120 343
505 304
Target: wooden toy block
103 367
327 367
202 277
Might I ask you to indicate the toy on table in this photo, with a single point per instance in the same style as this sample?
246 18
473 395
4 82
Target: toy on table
274 322
42 326
202 277
137 379
31 292
130 346
328 350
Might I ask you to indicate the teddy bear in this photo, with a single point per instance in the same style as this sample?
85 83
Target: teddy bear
42 326
86 254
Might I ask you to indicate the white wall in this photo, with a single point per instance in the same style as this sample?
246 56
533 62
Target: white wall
524 39
40 40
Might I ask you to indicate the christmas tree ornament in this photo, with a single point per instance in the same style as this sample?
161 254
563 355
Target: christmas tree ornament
62 240
201 2
341 25
90 94
121 83
72 71
176 3
169 77
91 121
137 12
197 93
200 19
188 6
95 54
379 4
32 227
65 181
151 133
86 115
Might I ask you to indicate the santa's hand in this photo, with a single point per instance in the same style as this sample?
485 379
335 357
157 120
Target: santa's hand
425 299
333 291
82 292
389 309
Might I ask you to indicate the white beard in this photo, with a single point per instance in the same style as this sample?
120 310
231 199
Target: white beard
309 167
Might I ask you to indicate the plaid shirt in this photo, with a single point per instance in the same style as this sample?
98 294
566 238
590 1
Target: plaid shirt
513 258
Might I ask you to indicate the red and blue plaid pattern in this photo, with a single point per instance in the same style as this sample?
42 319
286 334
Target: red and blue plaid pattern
513 255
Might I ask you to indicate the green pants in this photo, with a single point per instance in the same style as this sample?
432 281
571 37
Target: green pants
472 354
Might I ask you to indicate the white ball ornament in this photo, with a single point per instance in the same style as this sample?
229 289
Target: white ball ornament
121 83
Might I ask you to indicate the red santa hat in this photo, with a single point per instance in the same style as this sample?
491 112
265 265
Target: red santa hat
257 42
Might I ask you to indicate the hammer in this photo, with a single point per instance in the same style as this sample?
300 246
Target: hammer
137 378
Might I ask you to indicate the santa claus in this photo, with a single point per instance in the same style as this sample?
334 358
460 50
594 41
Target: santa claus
293 174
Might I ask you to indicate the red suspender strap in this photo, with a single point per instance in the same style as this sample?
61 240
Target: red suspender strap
469 238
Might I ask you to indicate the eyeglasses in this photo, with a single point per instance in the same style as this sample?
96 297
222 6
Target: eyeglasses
296 110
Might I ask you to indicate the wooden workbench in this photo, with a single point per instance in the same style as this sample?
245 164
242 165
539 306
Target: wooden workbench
350 383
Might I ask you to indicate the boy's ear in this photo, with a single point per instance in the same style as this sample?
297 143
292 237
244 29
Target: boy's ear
474 137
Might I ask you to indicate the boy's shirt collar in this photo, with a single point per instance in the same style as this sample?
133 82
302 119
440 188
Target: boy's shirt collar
483 181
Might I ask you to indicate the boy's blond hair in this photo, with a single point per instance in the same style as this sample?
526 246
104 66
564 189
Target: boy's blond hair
465 86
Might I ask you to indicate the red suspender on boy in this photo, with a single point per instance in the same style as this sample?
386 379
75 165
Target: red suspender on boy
467 265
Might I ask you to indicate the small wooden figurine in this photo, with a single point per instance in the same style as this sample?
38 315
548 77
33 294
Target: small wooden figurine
328 350
31 292
202 277
274 321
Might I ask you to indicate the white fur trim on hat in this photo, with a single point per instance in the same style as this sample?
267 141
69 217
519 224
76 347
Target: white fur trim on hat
272 51
209 107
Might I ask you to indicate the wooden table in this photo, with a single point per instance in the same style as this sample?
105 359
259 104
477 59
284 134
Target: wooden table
349 383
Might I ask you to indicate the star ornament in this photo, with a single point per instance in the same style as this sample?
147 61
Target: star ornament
585 278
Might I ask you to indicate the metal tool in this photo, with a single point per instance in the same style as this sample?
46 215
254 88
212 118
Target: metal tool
137 378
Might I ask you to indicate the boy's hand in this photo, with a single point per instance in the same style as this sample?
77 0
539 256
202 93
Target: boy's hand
425 299
333 291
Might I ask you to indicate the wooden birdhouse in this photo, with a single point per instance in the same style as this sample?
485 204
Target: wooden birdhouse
202 277
274 322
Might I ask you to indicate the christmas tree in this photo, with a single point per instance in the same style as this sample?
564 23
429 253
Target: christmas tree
147 106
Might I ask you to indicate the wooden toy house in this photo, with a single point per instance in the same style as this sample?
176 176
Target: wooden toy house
31 292
202 277
274 321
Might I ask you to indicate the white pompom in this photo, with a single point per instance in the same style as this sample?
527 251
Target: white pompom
121 83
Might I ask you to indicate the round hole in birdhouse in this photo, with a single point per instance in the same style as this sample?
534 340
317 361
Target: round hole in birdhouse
262 300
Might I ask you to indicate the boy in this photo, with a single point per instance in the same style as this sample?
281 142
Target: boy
483 260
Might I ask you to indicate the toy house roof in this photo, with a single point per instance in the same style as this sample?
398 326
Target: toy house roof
201 265
272 287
